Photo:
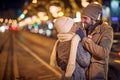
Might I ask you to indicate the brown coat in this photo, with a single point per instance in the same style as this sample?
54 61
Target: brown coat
99 47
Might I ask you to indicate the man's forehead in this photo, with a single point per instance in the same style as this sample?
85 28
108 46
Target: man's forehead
84 16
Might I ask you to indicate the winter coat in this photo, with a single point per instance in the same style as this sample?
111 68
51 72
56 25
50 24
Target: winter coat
62 53
82 62
99 46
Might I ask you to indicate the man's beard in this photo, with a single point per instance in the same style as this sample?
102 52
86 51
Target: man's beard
87 26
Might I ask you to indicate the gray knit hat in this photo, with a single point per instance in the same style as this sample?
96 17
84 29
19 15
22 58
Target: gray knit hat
93 10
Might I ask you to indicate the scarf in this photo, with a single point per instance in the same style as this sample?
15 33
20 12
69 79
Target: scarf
73 50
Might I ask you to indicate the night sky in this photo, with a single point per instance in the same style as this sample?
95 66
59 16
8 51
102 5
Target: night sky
11 4
11 8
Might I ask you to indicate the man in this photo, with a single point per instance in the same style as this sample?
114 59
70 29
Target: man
97 39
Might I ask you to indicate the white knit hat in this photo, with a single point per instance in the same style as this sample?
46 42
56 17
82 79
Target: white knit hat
63 24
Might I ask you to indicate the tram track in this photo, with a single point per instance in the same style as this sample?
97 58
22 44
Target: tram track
44 65
8 73
22 63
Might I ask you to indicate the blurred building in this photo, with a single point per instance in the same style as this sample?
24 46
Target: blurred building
33 12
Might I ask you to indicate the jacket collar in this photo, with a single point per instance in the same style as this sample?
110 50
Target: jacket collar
94 27
96 30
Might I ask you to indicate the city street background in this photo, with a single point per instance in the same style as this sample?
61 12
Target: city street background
27 36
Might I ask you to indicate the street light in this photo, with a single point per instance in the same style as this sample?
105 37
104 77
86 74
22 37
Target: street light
42 15
56 8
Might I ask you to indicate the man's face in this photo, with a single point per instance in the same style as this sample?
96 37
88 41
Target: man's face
86 20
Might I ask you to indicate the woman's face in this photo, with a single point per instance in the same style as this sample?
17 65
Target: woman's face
74 28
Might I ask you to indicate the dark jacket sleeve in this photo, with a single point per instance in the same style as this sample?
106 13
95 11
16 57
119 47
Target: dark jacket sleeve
83 56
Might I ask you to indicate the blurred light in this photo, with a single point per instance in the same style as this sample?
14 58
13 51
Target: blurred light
6 20
41 14
18 18
34 18
117 61
78 14
36 25
45 18
1 19
106 12
50 25
48 32
34 30
114 19
54 10
114 5
10 21
118 53
34 1
84 3
25 11
22 16
2 29
29 26
22 23
28 20
60 14
55 15
96 2
41 31
38 20
14 22
78 17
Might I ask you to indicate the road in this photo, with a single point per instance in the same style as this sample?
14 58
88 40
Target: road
26 56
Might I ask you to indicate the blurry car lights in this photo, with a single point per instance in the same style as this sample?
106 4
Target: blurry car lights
119 53
117 61
115 41
2 29
48 32
41 31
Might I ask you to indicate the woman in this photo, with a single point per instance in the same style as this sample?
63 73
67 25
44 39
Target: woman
68 52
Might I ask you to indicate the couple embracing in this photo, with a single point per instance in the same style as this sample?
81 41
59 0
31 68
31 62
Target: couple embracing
82 53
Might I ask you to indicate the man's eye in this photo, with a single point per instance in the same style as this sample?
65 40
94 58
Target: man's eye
85 17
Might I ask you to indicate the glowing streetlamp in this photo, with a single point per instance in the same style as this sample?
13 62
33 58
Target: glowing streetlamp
84 3
56 8
43 16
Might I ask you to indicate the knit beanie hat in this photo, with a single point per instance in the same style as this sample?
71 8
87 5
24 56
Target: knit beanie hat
93 10
63 24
